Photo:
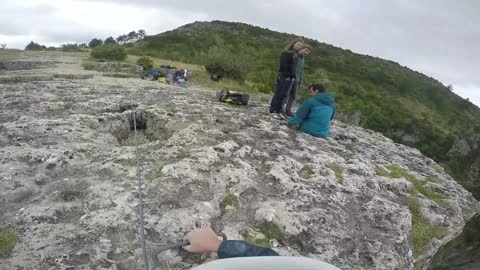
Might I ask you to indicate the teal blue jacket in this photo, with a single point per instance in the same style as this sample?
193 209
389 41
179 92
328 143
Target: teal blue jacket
315 114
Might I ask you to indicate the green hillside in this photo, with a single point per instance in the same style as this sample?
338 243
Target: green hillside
403 104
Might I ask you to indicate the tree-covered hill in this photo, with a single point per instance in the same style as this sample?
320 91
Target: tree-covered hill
403 104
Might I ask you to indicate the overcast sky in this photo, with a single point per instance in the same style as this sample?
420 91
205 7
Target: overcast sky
437 37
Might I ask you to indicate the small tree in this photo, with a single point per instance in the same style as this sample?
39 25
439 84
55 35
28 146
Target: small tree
132 36
95 42
109 52
3 45
32 46
141 34
121 39
71 48
224 62
83 46
146 62
110 40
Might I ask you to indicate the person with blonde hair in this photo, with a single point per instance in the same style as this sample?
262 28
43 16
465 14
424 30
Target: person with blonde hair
286 75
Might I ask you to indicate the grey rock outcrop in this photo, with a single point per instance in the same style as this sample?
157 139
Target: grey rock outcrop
67 184
25 64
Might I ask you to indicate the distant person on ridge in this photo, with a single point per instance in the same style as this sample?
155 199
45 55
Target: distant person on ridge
316 113
286 75
292 94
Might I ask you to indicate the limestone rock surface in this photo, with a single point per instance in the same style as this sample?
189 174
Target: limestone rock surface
68 186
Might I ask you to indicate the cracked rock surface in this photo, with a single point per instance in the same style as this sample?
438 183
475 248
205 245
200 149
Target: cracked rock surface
68 186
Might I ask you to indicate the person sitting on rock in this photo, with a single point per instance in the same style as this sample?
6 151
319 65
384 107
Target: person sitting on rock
316 113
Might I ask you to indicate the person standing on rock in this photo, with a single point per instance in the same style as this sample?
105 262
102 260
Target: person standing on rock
292 94
286 75
316 113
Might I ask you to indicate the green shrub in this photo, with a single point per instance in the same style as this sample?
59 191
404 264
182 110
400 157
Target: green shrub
8 239
109 52
146 62
71 48
223 62
32 46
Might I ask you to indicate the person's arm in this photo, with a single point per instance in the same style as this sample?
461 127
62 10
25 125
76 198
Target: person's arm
300 80
284 63
301 113
205 239
235 248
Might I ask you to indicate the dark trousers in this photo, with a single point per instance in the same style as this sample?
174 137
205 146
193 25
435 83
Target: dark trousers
291 97
283 86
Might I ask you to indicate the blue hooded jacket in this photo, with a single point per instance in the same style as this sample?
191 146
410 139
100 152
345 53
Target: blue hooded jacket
315 114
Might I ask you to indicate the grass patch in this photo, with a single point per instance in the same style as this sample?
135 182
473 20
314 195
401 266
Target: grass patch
229 200
263 242
117 75
129 162
433 180
352 146
398 172
264 99
338 172
8 239
380 171
155 174
422 231
272 231
306 172
439 169
73 76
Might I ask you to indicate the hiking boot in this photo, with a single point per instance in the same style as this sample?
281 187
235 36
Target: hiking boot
276 116
289 113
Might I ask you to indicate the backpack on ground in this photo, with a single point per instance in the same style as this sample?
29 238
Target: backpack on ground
233 97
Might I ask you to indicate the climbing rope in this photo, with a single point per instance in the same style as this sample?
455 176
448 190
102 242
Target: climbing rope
140 193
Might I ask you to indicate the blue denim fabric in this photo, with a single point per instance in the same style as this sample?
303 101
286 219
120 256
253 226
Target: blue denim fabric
292 96
236 248
283 86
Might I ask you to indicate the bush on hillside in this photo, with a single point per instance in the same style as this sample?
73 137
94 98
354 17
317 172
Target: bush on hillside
95 43
109 52
221 61
71 48
32 46
146 62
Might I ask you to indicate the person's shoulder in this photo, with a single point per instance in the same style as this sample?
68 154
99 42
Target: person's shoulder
287 53
310 100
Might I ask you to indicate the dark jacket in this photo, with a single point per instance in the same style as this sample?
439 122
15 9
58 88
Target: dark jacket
315 114
236 248
288 64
